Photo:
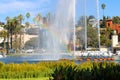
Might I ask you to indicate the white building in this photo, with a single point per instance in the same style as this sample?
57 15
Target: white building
1 38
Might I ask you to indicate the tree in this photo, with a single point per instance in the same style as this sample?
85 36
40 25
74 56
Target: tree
12 28
11 32
20 18
109 32
27 24
103 24
38 18
48 17
81 21
7 27
116 20
27 16
92 37
16 31
105 37
103 7
91 17
7 18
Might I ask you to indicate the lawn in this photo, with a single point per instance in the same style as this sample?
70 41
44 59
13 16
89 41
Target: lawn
43 78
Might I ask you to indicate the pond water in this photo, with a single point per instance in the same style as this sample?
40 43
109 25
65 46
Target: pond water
32 58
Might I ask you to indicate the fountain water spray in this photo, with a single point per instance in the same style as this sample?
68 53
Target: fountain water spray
56 36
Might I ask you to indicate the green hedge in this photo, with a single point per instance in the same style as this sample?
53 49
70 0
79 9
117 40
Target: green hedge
61 70
88 71
26 70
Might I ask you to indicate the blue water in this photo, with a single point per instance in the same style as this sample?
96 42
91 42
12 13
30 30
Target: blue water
33 58
40 58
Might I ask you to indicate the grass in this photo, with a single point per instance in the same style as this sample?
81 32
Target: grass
42 78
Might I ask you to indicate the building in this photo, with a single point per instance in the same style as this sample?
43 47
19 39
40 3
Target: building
114 38
1 38
116 27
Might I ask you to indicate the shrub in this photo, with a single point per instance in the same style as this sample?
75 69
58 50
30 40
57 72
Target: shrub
88 71
62 70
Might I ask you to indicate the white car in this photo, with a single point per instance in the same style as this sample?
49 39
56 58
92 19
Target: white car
118 52
29 51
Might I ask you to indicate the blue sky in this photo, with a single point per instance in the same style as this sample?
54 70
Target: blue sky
15 7
112 7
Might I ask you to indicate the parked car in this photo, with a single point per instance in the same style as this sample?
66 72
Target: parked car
118 52
12 51
29 51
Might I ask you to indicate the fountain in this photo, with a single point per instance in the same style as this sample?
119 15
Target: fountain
55 37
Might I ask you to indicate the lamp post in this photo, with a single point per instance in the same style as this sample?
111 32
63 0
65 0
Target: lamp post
97 2
85 25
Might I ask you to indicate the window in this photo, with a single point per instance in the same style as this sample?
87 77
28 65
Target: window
108 24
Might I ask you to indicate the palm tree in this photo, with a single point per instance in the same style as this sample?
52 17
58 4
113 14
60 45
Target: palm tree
104 21
11 29
38 18
27 16
48 16
21 18
7 27
27 24
103 7
16 31
109 32
34 20
7 18
11 32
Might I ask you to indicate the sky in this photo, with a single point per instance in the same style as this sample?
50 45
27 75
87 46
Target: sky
13 8
112 7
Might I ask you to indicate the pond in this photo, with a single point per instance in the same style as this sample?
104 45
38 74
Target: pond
32 58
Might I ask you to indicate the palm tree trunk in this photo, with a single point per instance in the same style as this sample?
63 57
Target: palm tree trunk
4 44
16 42
11 39
20 39
20 34
8 42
